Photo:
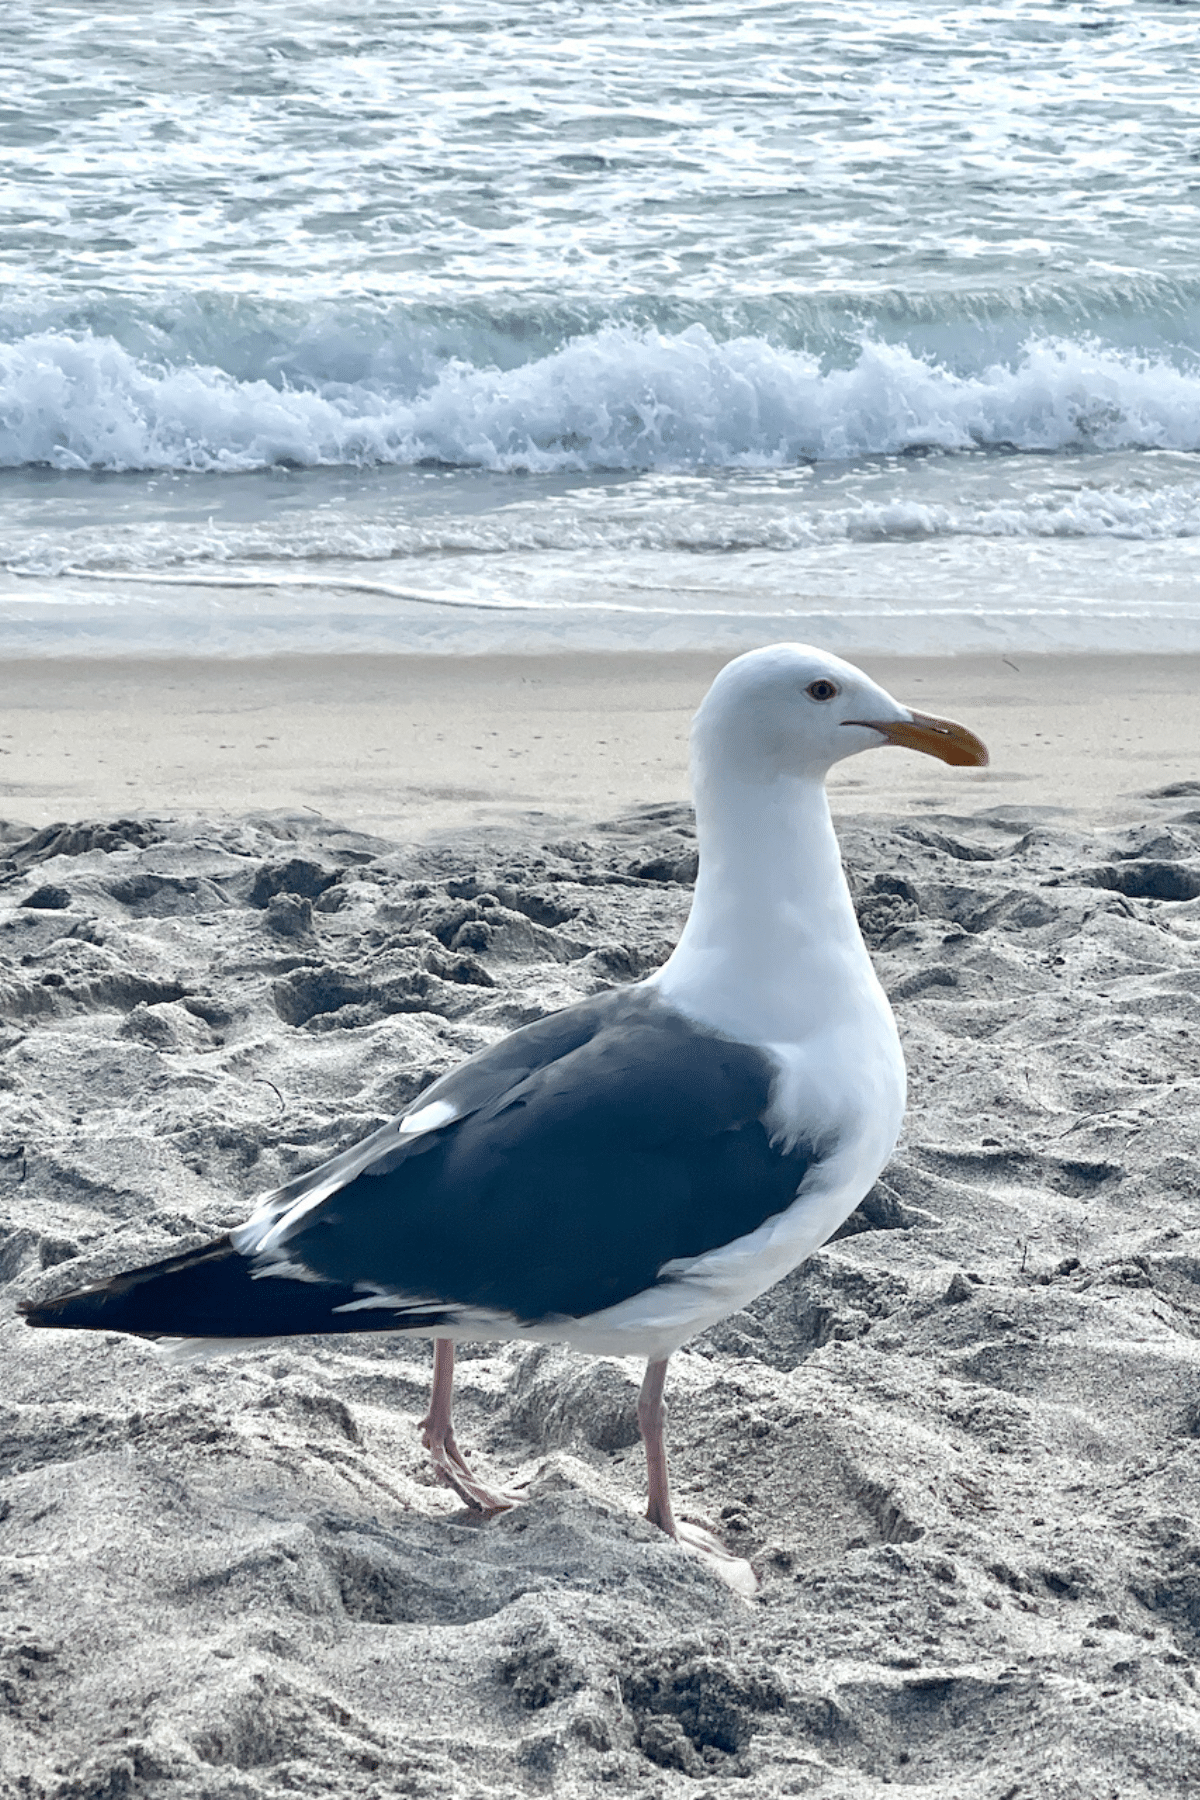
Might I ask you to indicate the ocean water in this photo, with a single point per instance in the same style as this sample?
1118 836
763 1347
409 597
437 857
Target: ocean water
468 326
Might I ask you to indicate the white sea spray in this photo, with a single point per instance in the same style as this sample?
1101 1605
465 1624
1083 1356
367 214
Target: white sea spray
831 312
619 399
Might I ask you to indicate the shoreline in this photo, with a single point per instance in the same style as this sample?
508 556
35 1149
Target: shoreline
412 745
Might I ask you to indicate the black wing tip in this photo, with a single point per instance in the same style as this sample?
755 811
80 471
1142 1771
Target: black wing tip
80 1310
43 1313
52 1316
112 1305
214 1292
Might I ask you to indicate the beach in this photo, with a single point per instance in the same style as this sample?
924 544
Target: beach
419 744
405 411
958 1444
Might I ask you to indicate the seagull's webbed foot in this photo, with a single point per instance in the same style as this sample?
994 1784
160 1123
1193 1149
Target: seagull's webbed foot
455 1471
437 1435
733 1570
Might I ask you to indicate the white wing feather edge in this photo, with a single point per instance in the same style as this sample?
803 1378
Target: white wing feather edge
281 1209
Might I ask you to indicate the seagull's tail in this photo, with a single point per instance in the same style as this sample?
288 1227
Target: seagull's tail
214 1293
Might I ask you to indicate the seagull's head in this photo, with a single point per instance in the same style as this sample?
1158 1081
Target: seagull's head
793 710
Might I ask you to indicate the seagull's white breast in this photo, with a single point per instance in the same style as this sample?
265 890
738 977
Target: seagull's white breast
841 1088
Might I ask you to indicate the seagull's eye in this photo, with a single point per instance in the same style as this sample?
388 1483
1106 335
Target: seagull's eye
822 690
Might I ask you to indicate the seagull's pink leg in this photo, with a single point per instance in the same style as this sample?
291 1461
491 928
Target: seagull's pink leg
651 1417
437 1435
652 1414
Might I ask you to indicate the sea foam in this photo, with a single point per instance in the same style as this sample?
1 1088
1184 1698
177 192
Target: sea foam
619 398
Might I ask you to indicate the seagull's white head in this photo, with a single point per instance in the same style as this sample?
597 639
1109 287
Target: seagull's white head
793 710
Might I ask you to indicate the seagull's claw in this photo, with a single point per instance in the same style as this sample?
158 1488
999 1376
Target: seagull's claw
734 1571
456 1472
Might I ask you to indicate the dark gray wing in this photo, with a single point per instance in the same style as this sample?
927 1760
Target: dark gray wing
589 1150
474 1083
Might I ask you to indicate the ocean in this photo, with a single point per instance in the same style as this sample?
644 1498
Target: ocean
568 325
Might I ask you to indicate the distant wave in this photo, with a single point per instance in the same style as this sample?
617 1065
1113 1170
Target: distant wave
618 398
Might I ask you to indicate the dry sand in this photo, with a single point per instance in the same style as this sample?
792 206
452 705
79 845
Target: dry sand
961 1444
401 744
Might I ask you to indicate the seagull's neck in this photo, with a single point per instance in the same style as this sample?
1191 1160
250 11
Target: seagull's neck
772 934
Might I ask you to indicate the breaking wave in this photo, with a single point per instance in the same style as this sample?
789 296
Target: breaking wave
620 397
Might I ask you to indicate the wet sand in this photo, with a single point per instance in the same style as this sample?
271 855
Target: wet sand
404 744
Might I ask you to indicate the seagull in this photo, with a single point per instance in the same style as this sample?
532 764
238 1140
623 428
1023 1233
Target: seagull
620 1175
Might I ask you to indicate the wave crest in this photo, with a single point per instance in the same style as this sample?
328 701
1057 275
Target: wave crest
619 398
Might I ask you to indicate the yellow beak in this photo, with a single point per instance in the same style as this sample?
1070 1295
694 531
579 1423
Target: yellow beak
936 737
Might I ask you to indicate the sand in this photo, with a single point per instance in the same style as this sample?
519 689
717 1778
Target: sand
400 745
961 1445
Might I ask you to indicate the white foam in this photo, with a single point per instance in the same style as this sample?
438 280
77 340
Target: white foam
1118 507
617 399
